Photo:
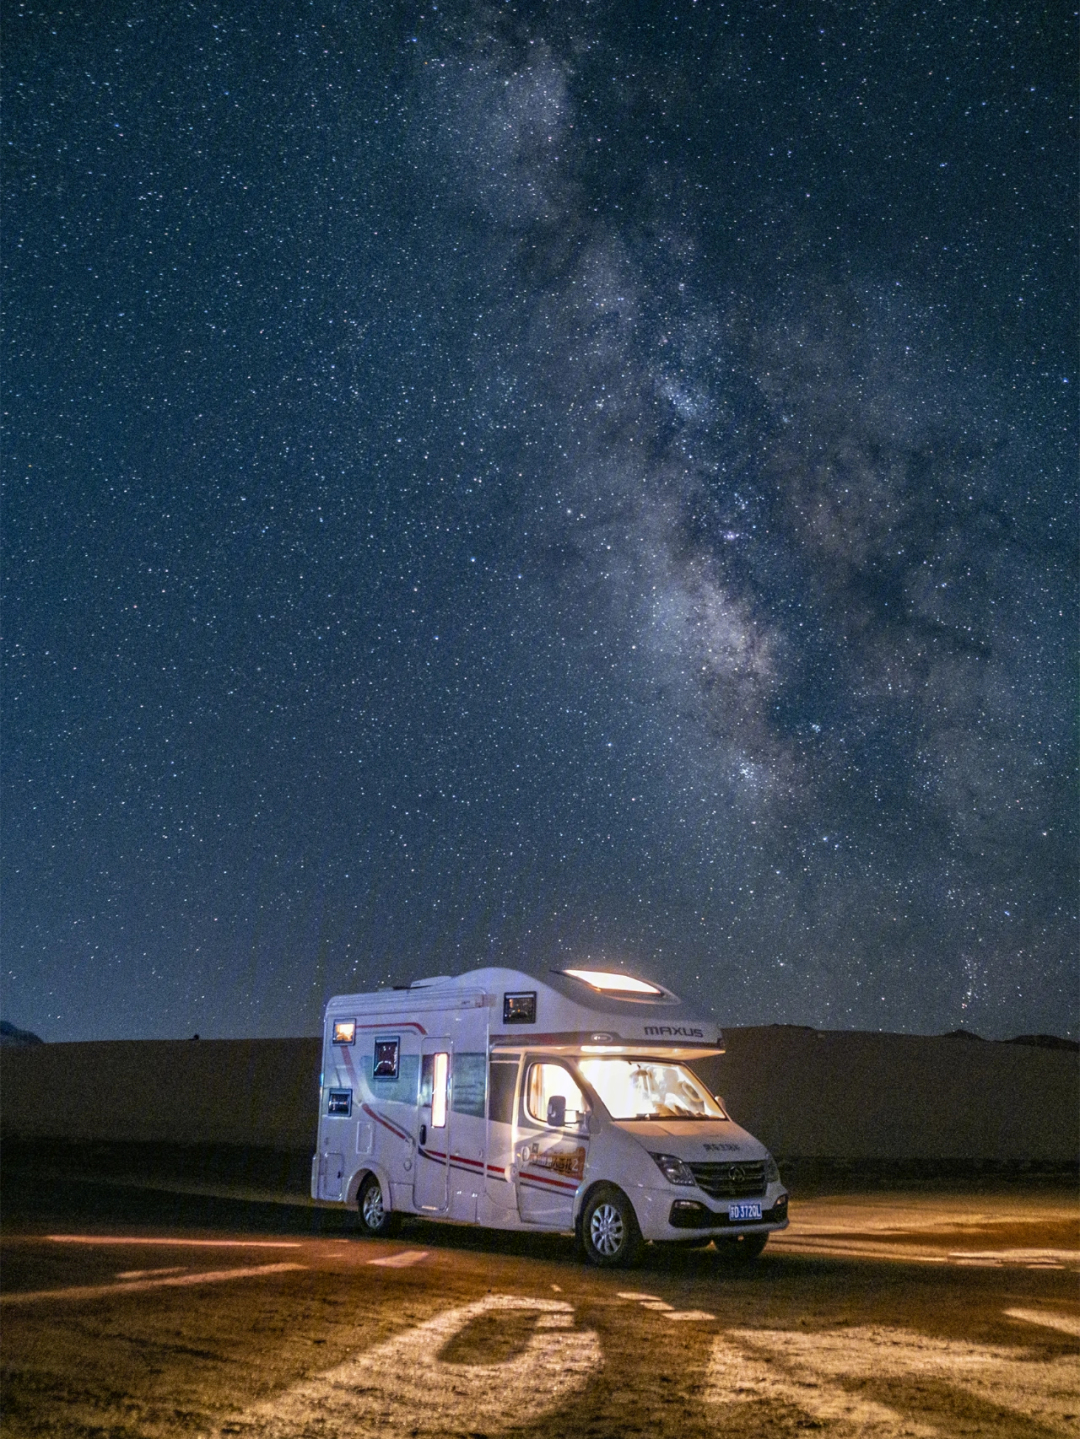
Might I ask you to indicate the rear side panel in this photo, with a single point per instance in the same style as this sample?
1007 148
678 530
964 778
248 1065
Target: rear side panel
369 1111
367 1103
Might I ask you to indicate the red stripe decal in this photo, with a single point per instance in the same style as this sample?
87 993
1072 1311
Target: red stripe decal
456 1161
395 1024
554 1183
386 1124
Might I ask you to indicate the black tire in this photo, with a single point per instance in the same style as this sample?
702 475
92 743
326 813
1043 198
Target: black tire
742 1248
375 1219
610 1237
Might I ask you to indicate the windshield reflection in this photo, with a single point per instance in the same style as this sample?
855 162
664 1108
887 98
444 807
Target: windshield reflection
649 1089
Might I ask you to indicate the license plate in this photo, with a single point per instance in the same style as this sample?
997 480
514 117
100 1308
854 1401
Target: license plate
739 1212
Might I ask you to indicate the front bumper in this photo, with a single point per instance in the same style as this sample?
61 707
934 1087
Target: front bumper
693 1214
669 1213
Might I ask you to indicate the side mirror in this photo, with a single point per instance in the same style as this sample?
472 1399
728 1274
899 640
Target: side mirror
556 1113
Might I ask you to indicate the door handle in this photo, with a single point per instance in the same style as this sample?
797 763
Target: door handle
423 1134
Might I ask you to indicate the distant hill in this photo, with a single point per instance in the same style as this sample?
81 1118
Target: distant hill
1046 1041
1034 1041
9 1034
808 1094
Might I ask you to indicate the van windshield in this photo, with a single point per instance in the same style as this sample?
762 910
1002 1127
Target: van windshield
649 1089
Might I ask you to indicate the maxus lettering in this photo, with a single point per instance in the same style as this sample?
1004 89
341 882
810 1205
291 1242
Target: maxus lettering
731 1148
675 1030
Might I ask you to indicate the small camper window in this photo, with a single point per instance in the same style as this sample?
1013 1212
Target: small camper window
385 1063
519 1008
339 1101
345 1031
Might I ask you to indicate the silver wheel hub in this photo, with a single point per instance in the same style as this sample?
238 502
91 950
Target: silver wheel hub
373 1207
607 1230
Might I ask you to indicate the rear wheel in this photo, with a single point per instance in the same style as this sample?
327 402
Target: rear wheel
610 1235
375 1218
742 1248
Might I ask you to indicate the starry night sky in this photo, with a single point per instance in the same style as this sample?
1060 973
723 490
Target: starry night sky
533 484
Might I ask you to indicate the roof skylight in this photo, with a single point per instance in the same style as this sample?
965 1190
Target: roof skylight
608 982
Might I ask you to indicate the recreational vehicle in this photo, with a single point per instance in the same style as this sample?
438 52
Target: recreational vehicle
565 1104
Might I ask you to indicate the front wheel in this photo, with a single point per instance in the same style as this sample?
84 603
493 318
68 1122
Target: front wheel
375 1218
610 1235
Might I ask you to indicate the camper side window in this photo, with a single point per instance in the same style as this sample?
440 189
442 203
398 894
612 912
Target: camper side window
503 1081
469 1088
552 1097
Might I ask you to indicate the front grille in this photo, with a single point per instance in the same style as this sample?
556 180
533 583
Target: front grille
739 1180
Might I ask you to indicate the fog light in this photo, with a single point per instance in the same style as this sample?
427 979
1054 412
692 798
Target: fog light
689 1214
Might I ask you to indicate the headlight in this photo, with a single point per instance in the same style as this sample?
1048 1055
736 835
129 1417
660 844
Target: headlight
673 1169
772 1170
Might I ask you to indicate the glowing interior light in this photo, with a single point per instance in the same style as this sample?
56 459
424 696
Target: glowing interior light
441 1073
613 983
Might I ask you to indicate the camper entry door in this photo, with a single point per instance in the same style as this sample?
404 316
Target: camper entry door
431 1185
502 1092
551 1143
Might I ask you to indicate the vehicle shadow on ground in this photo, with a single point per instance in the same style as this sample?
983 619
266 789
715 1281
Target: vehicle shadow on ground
36 1203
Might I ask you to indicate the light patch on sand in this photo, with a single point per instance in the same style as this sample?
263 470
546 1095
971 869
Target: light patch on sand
739 1374
402 1388
402 1260
1067 1323
826 1375
1055 1257
79 1292
184 1243
150 1273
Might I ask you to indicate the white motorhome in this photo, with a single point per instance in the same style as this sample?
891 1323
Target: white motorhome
564 1104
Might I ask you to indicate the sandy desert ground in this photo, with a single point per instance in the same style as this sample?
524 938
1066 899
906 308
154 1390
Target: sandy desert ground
131 1313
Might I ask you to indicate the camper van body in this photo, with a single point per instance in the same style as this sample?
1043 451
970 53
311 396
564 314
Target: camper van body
481 1099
